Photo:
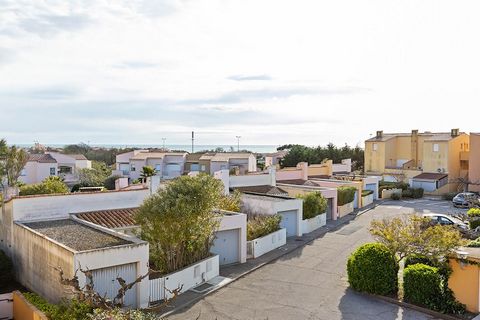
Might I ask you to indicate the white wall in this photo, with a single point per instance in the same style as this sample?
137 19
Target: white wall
36 172
232 221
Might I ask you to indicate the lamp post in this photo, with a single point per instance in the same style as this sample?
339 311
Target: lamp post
238 143
163 139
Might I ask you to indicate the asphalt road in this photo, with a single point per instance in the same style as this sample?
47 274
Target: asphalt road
310 282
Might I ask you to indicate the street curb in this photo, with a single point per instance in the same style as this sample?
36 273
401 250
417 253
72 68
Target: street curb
242 275
412 306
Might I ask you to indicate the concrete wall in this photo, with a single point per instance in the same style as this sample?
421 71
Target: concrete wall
334 184
464 282
474 162
272 241
290 173
35 257
36 172
266 179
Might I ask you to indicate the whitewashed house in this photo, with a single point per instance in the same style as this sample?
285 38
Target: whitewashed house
167 165
38 167
69 164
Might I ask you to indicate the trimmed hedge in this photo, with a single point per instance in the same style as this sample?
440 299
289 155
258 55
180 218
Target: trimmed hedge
474 224
366 193
261 225
422 285
345 195
6 268
313 204
372 268
416 259
396 196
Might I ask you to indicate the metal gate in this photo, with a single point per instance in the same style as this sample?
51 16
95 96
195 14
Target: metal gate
6 306
105 282
289 222
227 246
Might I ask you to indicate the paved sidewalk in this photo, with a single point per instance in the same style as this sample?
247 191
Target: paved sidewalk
236 271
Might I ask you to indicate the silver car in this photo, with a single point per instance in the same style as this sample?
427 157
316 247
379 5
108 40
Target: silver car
446 220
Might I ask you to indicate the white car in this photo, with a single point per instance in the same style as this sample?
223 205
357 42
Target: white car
446 220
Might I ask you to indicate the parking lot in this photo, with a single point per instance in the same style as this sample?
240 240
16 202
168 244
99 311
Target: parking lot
311 282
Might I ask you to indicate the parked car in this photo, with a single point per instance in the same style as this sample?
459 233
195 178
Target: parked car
446 220
464 199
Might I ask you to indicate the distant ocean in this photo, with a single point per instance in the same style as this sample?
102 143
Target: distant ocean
252 148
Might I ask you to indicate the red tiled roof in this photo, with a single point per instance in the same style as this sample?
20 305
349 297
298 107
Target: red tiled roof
42 158
115 218
430 176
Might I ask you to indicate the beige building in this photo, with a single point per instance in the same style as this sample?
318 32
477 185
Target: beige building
433 161
474 163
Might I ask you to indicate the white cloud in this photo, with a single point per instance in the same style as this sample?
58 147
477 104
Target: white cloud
272 71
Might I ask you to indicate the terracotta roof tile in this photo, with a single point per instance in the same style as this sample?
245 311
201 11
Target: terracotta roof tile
115 218
42 158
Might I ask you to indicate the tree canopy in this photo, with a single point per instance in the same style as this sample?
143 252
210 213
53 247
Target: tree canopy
314 155
179 221
96 176
49 185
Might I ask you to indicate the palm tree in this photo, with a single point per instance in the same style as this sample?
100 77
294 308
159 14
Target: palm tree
15 162
147 171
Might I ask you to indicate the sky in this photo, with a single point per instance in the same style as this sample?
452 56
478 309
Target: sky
272 72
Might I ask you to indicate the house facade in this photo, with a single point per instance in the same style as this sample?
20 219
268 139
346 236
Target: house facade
167 165
408 156
69 164
38 167
210 163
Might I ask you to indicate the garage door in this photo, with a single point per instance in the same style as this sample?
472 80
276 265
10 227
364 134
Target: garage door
227 246
372 187
172 170
105 282
289 222
426 185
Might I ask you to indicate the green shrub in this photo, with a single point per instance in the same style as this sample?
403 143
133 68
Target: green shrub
261 225
372 268
50 185
66 310
474 223
396 196
449 196
473 212
119 314
366 193
417 258
313 204
345 195
474 243
418 193
407 193
422 285
6 268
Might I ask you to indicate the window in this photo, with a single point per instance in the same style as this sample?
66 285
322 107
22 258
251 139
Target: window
158 168
65 169
132 167
436 147
194 167
375 147
52 171
444 221
203 167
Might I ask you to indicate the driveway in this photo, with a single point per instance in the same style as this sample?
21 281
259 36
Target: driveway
310 282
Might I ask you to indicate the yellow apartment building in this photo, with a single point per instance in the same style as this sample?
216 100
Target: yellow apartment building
474 169
434 161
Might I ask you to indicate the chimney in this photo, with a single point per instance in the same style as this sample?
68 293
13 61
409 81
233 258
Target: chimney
455 132
415 132
380 134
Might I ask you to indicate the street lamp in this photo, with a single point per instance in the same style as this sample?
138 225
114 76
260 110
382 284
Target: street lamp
238 143
164 143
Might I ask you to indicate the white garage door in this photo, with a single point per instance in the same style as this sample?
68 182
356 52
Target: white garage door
172 170
105 282
426 185
227 246
289 222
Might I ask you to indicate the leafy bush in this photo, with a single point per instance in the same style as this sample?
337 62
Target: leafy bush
50 185
231 202
418 258
119 314
422 285
366 193
427 286
261 225
372 268
66 310
345 195
6 268
393 185
473 212
474 243
449 196
396 196
407 193
109 183
474 224
418 193
313 204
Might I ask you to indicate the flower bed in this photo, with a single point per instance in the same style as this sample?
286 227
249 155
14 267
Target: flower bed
260 246
309 225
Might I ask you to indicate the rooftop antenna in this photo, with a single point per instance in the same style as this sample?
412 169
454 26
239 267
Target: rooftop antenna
193 140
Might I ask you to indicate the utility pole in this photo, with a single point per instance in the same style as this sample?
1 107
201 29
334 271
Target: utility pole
164 143
238 143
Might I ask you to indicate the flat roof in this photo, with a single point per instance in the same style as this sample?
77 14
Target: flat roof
75 235
267 197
